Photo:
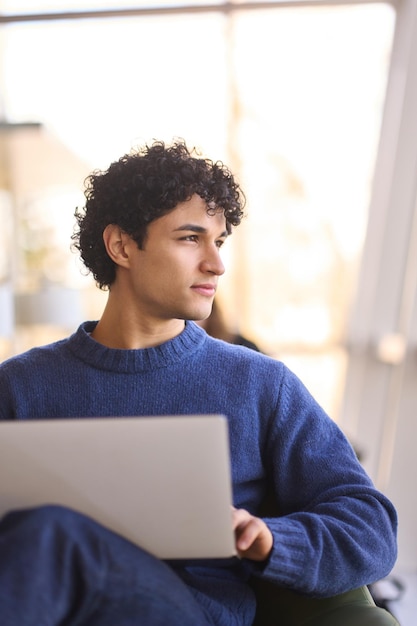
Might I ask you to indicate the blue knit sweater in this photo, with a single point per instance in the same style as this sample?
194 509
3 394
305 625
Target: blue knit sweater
332 530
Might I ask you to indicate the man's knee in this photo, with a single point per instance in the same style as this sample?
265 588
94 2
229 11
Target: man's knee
54 533
41 517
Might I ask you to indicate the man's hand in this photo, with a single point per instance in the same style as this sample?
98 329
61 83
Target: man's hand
253 537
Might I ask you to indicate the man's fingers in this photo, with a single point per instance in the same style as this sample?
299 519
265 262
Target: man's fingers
253 537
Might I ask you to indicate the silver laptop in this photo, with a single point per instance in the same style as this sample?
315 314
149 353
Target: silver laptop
161 482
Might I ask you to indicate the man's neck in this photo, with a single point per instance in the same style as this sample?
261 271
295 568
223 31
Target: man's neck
121 329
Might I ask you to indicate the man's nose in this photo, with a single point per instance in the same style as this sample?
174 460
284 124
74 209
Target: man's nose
212 262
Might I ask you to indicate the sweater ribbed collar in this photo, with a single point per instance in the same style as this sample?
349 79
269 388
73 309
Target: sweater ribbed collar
84 347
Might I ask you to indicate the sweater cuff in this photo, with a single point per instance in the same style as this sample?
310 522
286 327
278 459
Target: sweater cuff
286 564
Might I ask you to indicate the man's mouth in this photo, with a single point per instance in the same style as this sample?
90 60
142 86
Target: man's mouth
205 289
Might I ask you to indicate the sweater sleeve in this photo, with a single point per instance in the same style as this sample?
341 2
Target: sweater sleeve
335 531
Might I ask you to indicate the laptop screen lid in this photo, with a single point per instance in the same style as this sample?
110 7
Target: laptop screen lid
162 482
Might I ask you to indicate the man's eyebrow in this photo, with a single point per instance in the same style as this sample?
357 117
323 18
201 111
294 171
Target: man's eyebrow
195 228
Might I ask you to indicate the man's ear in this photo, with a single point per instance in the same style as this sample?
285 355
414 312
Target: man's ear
116 242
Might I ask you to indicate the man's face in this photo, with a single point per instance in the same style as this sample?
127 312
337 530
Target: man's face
175 275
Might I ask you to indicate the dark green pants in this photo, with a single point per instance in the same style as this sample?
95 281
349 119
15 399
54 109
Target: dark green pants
281 607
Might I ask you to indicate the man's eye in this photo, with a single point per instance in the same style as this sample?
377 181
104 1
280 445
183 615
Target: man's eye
220 242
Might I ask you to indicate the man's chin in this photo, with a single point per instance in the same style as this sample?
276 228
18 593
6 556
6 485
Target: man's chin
198 316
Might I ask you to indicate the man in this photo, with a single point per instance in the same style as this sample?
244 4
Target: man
151 232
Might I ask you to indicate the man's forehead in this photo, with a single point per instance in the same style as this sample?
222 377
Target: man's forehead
198 211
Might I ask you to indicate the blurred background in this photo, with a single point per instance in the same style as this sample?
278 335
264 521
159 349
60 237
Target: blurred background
312 104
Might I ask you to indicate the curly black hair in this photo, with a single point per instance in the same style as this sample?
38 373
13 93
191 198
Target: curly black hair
141 187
